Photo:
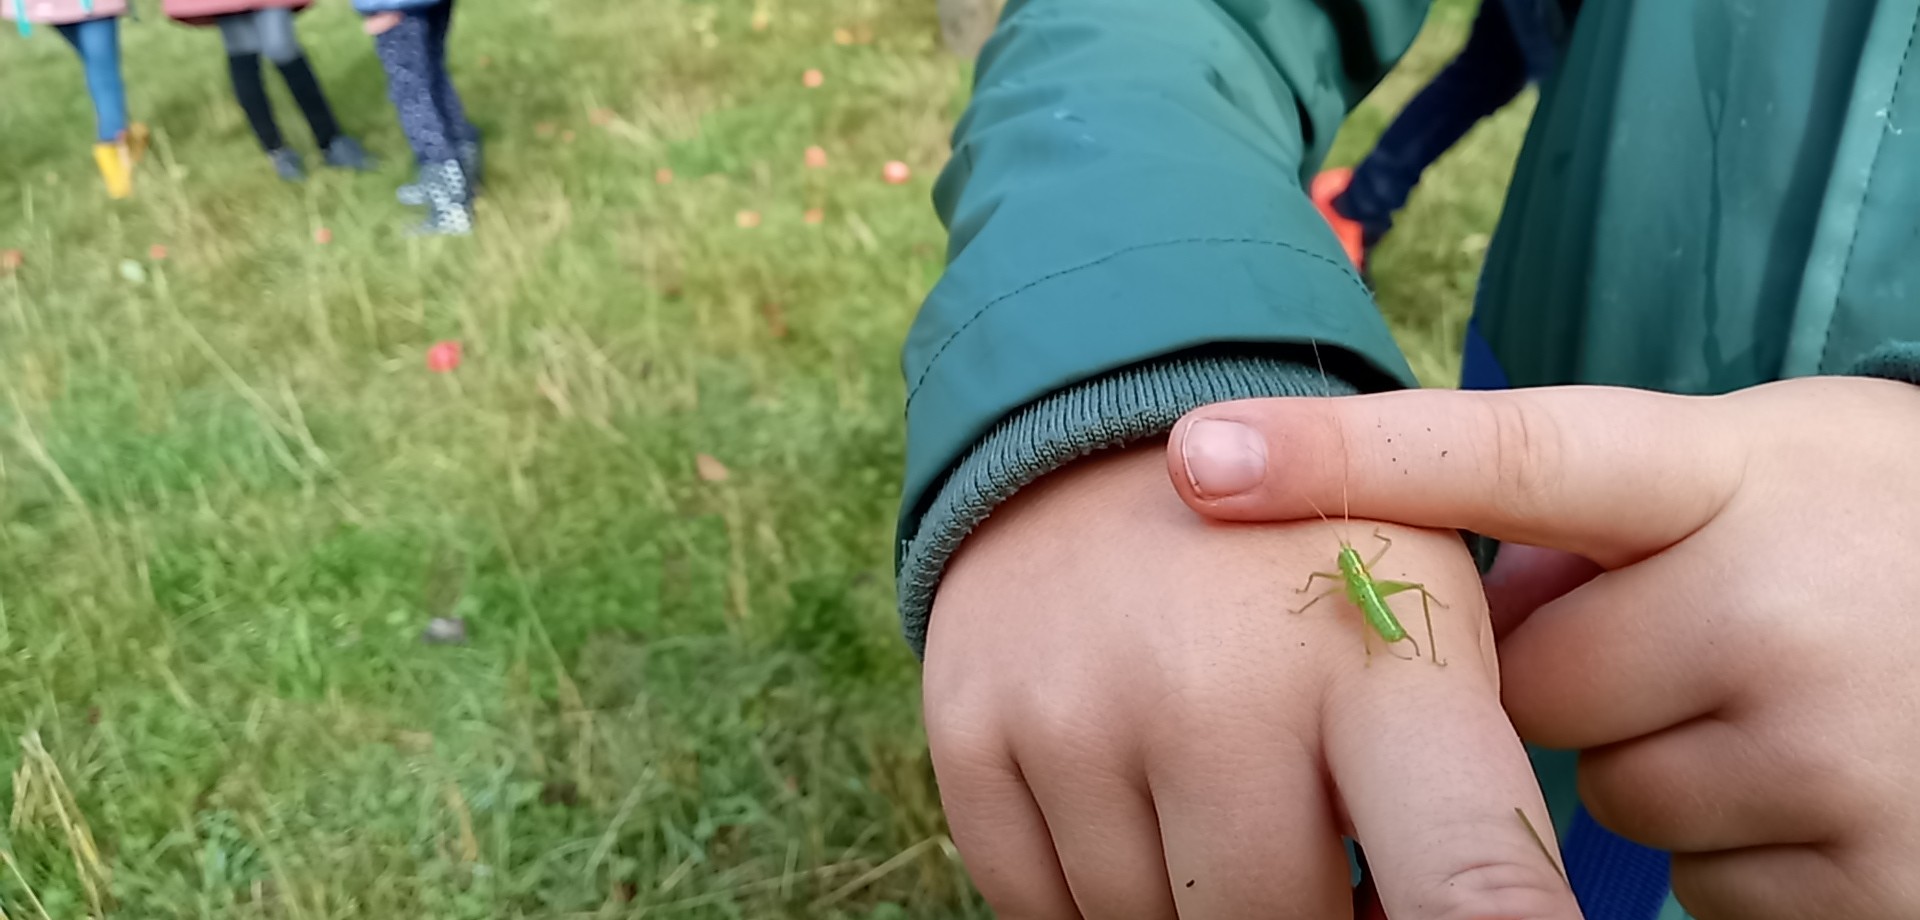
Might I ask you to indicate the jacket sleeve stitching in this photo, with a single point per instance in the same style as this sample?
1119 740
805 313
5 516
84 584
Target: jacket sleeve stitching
1093 263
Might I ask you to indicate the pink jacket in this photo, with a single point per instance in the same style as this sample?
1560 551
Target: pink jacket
203 12
61 12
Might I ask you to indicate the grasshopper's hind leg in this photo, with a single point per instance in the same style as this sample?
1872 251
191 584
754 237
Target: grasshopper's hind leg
1387 589
1427 612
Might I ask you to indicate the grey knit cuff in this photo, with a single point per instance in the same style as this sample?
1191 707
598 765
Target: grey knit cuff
1118 409
1892 361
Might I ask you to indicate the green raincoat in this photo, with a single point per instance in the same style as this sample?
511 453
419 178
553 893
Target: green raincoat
1713 194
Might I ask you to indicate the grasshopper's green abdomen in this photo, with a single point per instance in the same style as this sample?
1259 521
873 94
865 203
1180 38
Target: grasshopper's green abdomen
1361 591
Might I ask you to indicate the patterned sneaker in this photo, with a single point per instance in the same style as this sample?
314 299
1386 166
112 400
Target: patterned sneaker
471 159
414 194
449 200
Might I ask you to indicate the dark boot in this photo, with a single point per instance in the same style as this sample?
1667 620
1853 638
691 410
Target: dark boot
286 162
346 153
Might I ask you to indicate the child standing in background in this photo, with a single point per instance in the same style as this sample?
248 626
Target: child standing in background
411 39
251 29
1513 43
92 27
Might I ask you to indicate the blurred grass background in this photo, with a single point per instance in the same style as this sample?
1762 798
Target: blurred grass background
232 495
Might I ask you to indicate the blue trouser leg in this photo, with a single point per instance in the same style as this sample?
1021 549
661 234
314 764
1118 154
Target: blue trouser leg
98 43
1486 75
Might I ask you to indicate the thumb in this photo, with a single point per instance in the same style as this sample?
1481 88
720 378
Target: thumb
1609 473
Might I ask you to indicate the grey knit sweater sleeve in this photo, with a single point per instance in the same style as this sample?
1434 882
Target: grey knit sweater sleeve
1112 411
1892 361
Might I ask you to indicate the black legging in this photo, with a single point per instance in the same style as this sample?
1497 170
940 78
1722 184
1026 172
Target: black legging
269 32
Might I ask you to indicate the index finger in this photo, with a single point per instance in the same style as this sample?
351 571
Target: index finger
1611 473
1429 771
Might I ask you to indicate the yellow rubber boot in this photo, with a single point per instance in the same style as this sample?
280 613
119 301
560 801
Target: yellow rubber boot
116 168
137 137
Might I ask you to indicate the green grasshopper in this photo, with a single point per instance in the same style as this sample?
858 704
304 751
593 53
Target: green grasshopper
1369 594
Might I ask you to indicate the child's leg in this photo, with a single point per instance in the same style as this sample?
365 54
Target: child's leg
1486 75
1538 28
242 37
281 46
445 97
405 55
97 41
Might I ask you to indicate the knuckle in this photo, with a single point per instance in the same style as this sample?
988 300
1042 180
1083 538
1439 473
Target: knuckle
957 725
1062 727
963 749
1498 889
963 726
1528 451
1607 791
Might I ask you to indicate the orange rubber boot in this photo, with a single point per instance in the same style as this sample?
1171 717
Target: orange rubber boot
1353 238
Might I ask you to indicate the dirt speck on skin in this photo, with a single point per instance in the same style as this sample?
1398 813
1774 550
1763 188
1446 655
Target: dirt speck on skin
1190 883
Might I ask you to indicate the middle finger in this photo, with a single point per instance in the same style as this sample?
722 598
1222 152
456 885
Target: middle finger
1716 784
1248 828
1102 819
1632 652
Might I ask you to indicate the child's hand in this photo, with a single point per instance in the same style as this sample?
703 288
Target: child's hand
1743 676
1126 720
379 23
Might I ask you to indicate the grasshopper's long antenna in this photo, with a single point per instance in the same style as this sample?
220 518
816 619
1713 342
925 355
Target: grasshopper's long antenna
1346 513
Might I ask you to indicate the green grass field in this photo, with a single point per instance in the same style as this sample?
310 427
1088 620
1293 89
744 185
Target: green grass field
232 495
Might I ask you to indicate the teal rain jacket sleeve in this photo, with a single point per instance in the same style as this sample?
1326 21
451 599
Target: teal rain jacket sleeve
1130 237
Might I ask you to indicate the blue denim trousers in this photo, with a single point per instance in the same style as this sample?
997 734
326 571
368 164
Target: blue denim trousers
97 41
